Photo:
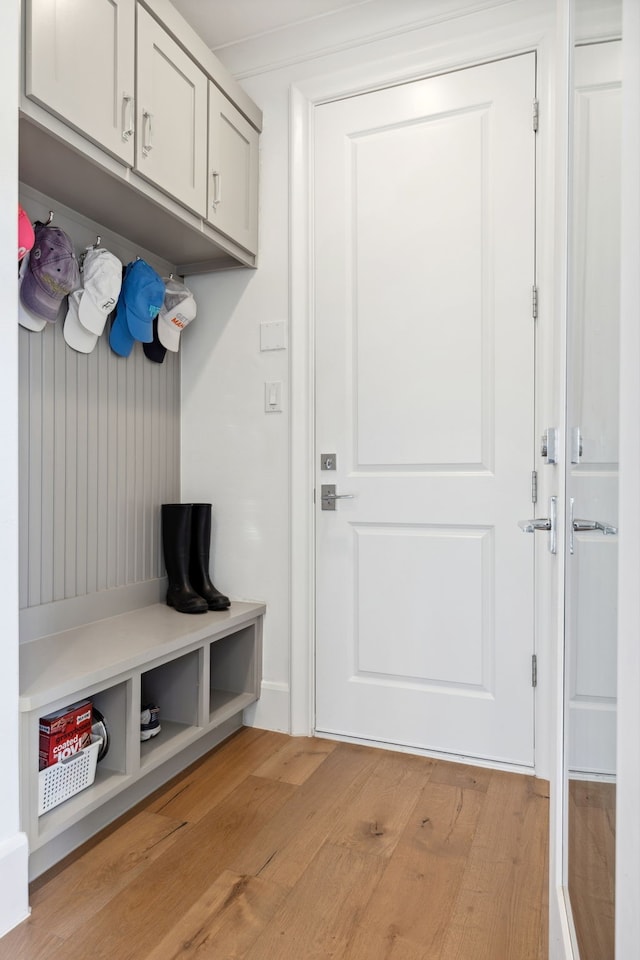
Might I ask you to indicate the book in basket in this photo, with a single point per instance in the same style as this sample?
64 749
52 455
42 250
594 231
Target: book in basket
65 732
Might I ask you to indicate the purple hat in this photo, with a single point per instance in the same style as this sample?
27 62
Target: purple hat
52 272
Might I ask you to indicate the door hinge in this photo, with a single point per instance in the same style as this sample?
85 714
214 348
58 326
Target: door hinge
536 115
534 670
534 486
534 302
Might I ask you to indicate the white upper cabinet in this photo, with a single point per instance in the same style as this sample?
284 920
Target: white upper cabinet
80 66
171 116
129 118
232 205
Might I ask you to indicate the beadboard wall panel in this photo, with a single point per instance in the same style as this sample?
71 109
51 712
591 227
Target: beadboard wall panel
99 451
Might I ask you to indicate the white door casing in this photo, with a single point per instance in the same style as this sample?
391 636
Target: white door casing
424 264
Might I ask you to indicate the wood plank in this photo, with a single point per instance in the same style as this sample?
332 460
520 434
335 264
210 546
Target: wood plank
373 821
461 775
94 879
140 915
224 922
498 910
210 781
28 941
285 846
296 760
427 866
321 914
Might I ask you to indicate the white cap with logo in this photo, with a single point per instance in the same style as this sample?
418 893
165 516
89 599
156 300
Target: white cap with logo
177 312
101 283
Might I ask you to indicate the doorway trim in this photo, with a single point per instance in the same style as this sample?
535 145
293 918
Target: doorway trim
501 40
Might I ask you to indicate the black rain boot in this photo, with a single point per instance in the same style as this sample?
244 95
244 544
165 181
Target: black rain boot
199 565
176 543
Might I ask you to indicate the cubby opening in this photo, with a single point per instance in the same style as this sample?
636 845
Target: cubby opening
174 687
233 673
112 704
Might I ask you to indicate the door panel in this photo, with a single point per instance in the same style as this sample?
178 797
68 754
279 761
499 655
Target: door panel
424 214
592 494
171 109
233 172
593 408
80 65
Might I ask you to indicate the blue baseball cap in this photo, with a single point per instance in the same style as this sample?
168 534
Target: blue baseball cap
139 302
120 340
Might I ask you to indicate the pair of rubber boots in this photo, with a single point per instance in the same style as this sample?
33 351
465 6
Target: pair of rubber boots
186 542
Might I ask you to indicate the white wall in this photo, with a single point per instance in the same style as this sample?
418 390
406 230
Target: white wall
241 458
13 844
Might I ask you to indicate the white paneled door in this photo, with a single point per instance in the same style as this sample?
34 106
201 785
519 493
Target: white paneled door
424 265
592 570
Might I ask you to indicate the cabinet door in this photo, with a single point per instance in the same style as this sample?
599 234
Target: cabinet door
233 172
171 108
79 65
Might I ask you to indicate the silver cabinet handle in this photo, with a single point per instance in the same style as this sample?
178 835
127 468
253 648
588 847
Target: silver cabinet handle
217 188
147 132
328 496
127 117
544 523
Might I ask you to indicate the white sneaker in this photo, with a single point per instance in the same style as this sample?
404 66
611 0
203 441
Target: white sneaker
149 722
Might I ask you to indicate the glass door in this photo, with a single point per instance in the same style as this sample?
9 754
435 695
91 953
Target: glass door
592 479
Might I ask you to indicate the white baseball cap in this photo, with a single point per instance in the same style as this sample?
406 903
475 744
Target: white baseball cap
27 319
75 334
177 312
101 283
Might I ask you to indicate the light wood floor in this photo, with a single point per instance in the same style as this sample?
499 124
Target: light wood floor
592 855
278 848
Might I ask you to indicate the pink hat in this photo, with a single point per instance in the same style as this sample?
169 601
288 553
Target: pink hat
26 236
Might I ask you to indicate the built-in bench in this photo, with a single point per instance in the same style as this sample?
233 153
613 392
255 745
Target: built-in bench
201 671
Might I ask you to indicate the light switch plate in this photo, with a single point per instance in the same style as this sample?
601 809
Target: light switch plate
273 396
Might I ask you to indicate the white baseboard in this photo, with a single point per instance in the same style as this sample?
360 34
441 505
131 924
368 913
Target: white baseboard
271 712
14 883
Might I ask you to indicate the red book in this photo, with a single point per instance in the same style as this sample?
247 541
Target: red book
65 732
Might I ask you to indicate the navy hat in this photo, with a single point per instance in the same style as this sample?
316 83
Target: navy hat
139 302
154 350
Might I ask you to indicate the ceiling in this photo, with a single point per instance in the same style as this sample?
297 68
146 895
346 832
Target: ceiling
223 22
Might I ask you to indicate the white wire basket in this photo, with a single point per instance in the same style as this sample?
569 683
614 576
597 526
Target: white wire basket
63 779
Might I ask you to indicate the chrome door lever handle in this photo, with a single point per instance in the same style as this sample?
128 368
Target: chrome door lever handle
581 526
530 526
328 496
544 523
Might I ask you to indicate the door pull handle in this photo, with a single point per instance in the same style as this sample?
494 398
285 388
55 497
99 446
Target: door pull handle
128 117
544 523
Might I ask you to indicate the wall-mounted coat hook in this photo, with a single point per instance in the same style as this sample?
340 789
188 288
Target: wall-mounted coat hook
98 241
50 218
